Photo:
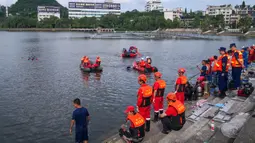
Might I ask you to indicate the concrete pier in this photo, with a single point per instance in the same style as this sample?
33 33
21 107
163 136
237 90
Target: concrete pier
197 128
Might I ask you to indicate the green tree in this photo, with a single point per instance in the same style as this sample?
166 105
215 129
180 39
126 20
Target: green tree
243 5
185 11
176 23
2 11
245 23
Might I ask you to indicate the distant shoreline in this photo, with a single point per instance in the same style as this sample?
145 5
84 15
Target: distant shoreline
96 30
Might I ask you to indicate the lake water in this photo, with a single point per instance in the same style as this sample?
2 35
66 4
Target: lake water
36 96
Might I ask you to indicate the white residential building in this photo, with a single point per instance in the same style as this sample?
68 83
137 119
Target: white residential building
225 10
92 9
172 14
154 5
47 12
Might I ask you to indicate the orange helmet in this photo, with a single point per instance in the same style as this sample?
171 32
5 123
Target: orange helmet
171 96
181 70
142 77
157 74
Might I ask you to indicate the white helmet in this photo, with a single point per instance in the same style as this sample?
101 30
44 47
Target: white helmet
147 57
142 58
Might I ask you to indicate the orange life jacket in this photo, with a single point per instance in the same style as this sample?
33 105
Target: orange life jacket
215 67
142 63
234 61
184 81
162 86
147 94
98 61
137 120
219 63
180 108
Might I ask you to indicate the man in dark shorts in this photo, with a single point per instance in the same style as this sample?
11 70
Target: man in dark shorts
80 118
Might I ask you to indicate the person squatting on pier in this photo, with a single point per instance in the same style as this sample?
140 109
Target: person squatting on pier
136 124
174 116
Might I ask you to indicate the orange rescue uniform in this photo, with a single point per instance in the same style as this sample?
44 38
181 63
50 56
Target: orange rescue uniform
181 82
159 86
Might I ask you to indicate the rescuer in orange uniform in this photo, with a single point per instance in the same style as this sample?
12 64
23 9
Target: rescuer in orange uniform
214 71
144 100
86 62
142 63
82 59
222 70
136 126
158 95
174 116
180 85
98 62
237 65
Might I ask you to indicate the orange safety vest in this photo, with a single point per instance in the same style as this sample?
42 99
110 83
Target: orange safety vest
147 94
219 63
162 86
98 61
180 108
215 67
184 81
137 120
142 63
234 61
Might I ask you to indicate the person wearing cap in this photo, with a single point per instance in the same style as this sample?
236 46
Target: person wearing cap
136 126
144 100
158 95
245 57
237 65
174 116
222 69
180 85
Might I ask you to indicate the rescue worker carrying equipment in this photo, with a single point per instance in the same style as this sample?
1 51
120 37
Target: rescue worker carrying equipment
136 129
174 116
180 85
144 100
158 95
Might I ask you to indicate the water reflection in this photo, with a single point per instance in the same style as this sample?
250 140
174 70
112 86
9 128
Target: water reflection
87 77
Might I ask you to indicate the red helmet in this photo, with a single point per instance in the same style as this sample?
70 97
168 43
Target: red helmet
171 96
142 77
157 74
181 70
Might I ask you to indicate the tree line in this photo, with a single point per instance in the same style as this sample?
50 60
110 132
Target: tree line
130 20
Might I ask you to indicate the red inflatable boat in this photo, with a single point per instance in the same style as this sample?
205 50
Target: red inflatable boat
131 53
142 69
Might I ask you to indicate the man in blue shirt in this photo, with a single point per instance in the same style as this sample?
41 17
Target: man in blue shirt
203 70
80 118
245 56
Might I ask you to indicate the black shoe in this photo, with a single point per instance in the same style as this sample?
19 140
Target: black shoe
155 117
147 125
164 132
161 112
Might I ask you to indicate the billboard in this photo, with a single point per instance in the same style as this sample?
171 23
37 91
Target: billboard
91 5
48 9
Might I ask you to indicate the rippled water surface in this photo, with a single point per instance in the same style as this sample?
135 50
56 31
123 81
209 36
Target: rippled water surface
36 96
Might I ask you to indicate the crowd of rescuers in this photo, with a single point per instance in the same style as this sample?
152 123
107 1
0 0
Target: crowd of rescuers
215 70
86 63
139 120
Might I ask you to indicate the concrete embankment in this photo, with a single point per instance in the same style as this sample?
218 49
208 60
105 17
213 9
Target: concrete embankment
197 128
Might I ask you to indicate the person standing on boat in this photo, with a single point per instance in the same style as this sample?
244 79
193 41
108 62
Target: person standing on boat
180 85
158 95
237 65
144 100
80 118
222 69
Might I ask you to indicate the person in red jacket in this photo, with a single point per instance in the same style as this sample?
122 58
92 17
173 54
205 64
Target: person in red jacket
180 85
174 116
158 95
144 100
